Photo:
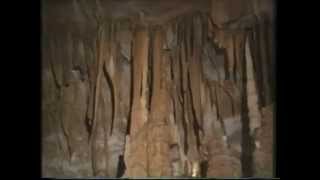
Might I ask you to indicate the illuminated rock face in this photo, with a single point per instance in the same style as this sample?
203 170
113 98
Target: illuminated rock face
163 89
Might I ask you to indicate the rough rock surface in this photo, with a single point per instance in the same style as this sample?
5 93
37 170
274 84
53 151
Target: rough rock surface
140 88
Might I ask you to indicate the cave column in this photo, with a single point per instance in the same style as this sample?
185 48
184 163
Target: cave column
135 156
158 126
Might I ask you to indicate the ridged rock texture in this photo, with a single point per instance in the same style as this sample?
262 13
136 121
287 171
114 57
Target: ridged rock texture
139 88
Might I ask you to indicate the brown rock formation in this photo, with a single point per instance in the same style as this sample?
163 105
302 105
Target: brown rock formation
150 89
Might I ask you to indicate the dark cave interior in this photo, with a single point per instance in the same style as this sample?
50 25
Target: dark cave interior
171 88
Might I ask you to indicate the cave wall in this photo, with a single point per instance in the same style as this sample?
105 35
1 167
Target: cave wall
155 90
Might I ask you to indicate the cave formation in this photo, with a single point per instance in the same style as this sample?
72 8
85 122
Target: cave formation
171 88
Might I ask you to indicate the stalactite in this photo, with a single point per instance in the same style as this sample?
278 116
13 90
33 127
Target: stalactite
177 101
195 72
99 130
254 113
189 118
247 142
239 46
262 62
112 73
230 57
270 46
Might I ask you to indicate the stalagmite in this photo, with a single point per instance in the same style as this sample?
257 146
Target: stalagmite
263 158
